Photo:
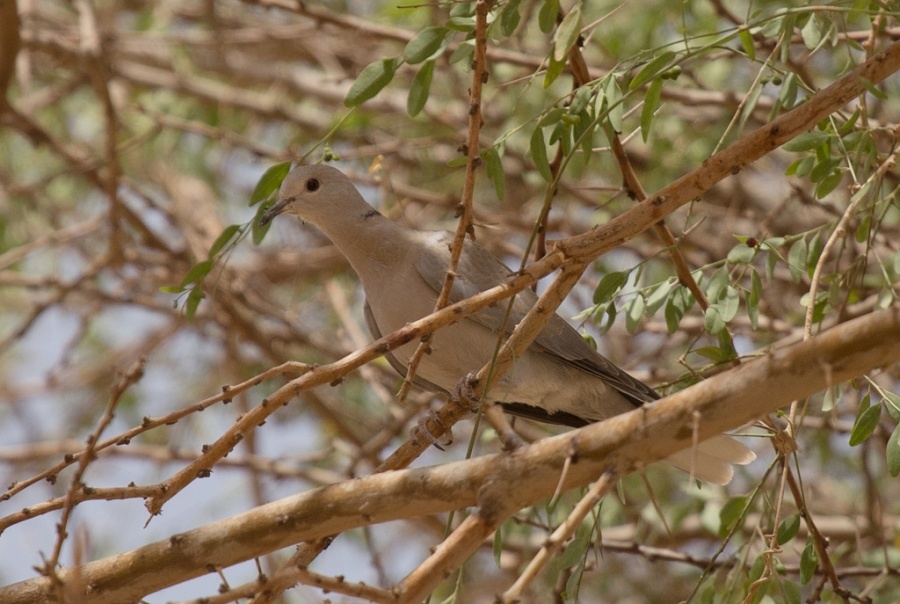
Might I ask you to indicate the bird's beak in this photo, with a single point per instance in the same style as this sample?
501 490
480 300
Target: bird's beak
275 210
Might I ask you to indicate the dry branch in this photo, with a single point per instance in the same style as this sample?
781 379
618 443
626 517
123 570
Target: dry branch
526 476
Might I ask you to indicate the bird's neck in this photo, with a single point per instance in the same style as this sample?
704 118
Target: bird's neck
368 239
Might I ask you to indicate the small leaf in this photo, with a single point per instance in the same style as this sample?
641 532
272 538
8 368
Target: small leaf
748 44
651 103
659 295
717 283
463 54
673 316
788 529
193 301
713 320
828 184
652 69
753 299
730 514
539 155
554 68
223 239
547 15
865 424
713 353
498 545
809 561
269 182
567 34
419 89
574 551
892 402
608 286
797 259
812 31
426 44
258 232
373 78
893 453
741 254
196 273
616 113
494 168
634 313
807 141
728 303
509 18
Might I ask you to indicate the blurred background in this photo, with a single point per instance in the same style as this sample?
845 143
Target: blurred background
133 134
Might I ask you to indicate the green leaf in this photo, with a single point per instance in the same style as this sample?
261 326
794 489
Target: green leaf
753 299
748 44
494 168
806 141
673 315
741 254
419 89
193 301
547 15
892 402
567 34
828 184
223 239
539 154
652 69
427 43
498 545
574 551
269 182
258 232
196 273
865 424
728 303
893 453
509 18
809 561
463 54
812 31
713 319
714 353
717 283
373 78
608 286
659 295
616 112
651 103
730 514
788 529
634 313
554 68
797 259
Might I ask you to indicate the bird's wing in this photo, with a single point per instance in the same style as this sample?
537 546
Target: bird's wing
478 271
393 360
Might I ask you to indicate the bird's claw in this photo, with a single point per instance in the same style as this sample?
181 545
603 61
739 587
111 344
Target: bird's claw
421 430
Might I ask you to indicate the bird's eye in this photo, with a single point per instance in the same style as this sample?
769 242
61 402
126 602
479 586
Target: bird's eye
312 184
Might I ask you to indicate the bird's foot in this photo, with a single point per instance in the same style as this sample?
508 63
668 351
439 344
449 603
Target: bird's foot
444 437
465 392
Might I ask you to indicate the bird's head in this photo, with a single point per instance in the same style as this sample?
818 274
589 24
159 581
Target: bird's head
312 193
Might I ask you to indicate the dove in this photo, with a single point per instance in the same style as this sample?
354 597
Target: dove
559 379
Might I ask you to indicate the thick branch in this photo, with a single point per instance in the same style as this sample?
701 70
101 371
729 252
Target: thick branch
527 475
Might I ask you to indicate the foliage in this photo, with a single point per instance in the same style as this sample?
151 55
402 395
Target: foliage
142 143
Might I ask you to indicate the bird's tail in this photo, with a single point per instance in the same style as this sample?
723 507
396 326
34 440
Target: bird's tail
711 460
